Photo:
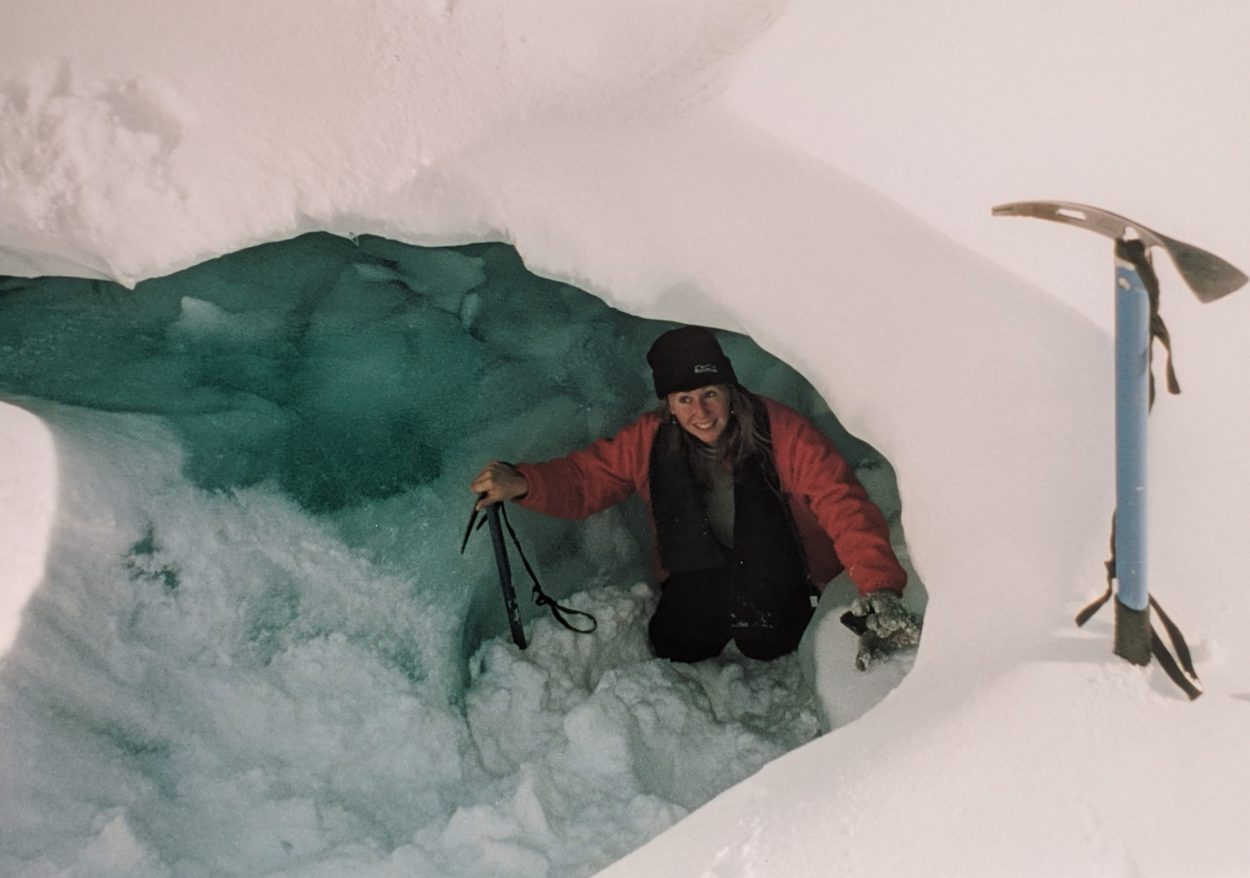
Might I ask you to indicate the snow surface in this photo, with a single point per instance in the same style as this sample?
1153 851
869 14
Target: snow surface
685 162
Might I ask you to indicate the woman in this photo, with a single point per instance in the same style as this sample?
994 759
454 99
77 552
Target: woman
750 505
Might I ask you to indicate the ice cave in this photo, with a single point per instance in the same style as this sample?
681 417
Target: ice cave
273 618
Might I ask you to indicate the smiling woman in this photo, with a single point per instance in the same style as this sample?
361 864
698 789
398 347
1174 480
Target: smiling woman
754 511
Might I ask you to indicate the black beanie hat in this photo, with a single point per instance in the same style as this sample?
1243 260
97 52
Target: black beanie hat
686 358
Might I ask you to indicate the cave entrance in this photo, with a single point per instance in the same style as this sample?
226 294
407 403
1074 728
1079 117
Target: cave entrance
273 452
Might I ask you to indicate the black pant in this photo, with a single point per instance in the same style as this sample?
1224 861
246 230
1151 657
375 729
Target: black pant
700 612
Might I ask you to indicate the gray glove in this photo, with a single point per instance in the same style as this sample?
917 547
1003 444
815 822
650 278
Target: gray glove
884 626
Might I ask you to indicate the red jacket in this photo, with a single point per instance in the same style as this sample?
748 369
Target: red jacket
837 523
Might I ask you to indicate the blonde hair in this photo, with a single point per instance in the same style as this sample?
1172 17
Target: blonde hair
741 440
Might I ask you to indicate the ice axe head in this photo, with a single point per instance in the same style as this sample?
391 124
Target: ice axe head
1209 276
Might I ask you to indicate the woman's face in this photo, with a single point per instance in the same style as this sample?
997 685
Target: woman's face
703 412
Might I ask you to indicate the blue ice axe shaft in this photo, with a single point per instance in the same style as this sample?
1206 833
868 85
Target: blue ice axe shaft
1210 278
1132 405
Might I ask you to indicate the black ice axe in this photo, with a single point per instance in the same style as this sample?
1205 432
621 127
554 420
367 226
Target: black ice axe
504 568
497 518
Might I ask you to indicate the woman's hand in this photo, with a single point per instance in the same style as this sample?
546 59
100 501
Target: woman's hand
497 482
887 627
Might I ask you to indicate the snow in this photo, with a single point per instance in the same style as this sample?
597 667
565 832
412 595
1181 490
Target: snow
685 164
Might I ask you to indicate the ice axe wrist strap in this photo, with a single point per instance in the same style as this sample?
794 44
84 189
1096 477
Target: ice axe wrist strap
541 598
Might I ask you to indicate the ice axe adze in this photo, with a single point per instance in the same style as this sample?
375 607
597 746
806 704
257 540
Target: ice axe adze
1137 325
1209 276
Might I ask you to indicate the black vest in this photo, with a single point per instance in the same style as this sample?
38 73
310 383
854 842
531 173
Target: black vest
767 553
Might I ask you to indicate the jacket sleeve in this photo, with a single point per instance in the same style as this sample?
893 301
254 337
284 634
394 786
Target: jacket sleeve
593 478
811 467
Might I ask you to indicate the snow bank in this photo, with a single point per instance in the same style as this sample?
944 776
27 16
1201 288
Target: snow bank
28 483
222 126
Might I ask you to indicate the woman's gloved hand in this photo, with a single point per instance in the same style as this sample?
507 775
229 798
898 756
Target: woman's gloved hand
884 625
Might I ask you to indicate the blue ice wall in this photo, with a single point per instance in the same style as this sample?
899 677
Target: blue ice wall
342 373
256 648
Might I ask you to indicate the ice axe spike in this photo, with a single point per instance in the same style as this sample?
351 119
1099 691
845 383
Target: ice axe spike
1209 276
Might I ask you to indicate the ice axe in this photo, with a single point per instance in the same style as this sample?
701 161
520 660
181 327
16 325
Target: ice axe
502 567
1137 325
497 518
